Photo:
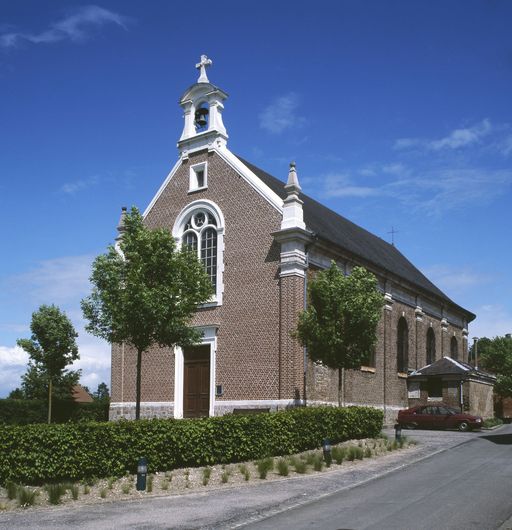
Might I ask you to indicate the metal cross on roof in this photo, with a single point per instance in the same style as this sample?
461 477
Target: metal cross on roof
201 66
393 232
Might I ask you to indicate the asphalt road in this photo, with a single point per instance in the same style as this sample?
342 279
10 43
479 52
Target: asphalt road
467 486
452 480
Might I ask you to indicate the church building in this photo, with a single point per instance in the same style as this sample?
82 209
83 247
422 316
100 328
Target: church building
260 238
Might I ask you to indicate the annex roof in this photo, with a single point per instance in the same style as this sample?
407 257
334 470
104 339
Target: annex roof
449 366
330 226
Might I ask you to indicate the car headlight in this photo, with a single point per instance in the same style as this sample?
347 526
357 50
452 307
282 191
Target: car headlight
478 420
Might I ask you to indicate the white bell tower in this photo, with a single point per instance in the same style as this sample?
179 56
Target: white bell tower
202 105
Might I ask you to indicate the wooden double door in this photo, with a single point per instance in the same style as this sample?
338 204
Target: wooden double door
196 384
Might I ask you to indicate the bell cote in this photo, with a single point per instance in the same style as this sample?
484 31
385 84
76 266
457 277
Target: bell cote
202 106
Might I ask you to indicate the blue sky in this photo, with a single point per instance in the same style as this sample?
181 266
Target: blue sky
398 114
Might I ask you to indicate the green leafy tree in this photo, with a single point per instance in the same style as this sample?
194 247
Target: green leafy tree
51 348
339 326
34 383
102 392
146 293
495 356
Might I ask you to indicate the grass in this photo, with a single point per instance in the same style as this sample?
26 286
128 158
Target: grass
110 482
207 473
3 506
74 491
283 468
318 462
126 487
87 489
224 477
368 453
244 470
301 466
55 492
339 454
186 473
12 489
149 483
26 496
103 493
492 422
164 484
264 466
351 453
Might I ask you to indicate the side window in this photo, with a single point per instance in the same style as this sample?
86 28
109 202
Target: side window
198 177
431 346
454 349
402 345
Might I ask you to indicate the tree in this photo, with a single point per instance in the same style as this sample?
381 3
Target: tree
495 356
34 383
51 347
146 293
102 392
339 326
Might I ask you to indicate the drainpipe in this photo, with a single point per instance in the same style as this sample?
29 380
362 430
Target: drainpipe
305 307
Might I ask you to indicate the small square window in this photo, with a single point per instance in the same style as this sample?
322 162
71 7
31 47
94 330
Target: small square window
198 176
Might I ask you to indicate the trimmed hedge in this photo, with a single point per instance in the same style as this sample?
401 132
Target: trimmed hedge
29 411
39 453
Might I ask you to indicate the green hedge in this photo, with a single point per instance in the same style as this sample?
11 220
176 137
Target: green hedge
27 411
38 453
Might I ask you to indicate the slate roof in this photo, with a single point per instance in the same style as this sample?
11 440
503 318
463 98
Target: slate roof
332 227
449 366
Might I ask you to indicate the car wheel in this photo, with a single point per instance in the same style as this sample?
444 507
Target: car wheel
411 426
463 426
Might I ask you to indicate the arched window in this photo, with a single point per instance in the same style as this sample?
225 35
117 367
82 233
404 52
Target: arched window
402 346
200 226
431 346
454 349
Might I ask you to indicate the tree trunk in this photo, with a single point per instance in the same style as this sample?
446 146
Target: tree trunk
137 390
340 387
50 401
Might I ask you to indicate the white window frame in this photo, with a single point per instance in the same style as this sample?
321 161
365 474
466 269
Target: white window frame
179 228
193 184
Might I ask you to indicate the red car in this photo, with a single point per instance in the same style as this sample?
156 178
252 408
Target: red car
437 416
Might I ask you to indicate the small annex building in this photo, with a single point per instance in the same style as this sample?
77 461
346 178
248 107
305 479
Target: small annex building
454 383
259 239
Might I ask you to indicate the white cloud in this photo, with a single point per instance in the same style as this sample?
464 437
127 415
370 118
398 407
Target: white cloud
454 140
58 280
342 185
75 27
451 279
505 146
281 114
72 188
13 356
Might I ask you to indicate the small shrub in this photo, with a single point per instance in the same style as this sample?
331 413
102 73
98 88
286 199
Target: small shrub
283 468
26 497
300 466
110 482
87 489
126 487
207 472
264 466
103 493
310 458
359 453
318 462
368 453
492 422
74 491
186 473
164 485
11 489
338 454
55 492
245 471
224 477
149 484
3 506
351 453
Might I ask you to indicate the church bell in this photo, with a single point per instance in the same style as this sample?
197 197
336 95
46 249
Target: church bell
201 117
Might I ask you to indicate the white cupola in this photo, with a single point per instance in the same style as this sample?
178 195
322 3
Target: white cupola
202 105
